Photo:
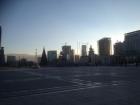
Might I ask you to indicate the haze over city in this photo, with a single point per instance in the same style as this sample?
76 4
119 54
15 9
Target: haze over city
69 52
30 24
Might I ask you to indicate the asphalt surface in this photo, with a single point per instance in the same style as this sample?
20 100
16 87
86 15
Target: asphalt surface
71 86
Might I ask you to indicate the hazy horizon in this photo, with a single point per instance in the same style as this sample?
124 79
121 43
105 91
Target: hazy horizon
33 24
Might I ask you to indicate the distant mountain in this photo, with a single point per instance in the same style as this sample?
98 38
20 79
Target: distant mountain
26 56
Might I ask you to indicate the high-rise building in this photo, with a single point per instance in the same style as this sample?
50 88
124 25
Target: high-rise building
2 56
0 36
104 47
91 55
11 60
67 54
43 61
84 50
52 56
119 49
91 51
66 51
72 56
132 43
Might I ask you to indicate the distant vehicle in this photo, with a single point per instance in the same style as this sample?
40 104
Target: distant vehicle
36 66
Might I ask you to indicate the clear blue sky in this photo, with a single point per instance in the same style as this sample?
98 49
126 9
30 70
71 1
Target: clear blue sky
31 24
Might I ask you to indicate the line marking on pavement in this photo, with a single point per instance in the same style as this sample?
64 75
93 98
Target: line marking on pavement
59 91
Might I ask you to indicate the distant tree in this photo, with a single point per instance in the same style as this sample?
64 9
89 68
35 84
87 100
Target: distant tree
43 61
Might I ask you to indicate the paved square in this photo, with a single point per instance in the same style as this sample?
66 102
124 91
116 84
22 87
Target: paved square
70 86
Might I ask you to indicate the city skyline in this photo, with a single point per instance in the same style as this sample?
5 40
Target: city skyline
27 25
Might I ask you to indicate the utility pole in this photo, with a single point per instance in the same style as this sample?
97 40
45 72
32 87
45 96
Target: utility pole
77 47
36 56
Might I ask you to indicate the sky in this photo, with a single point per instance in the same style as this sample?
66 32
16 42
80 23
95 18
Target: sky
33 24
